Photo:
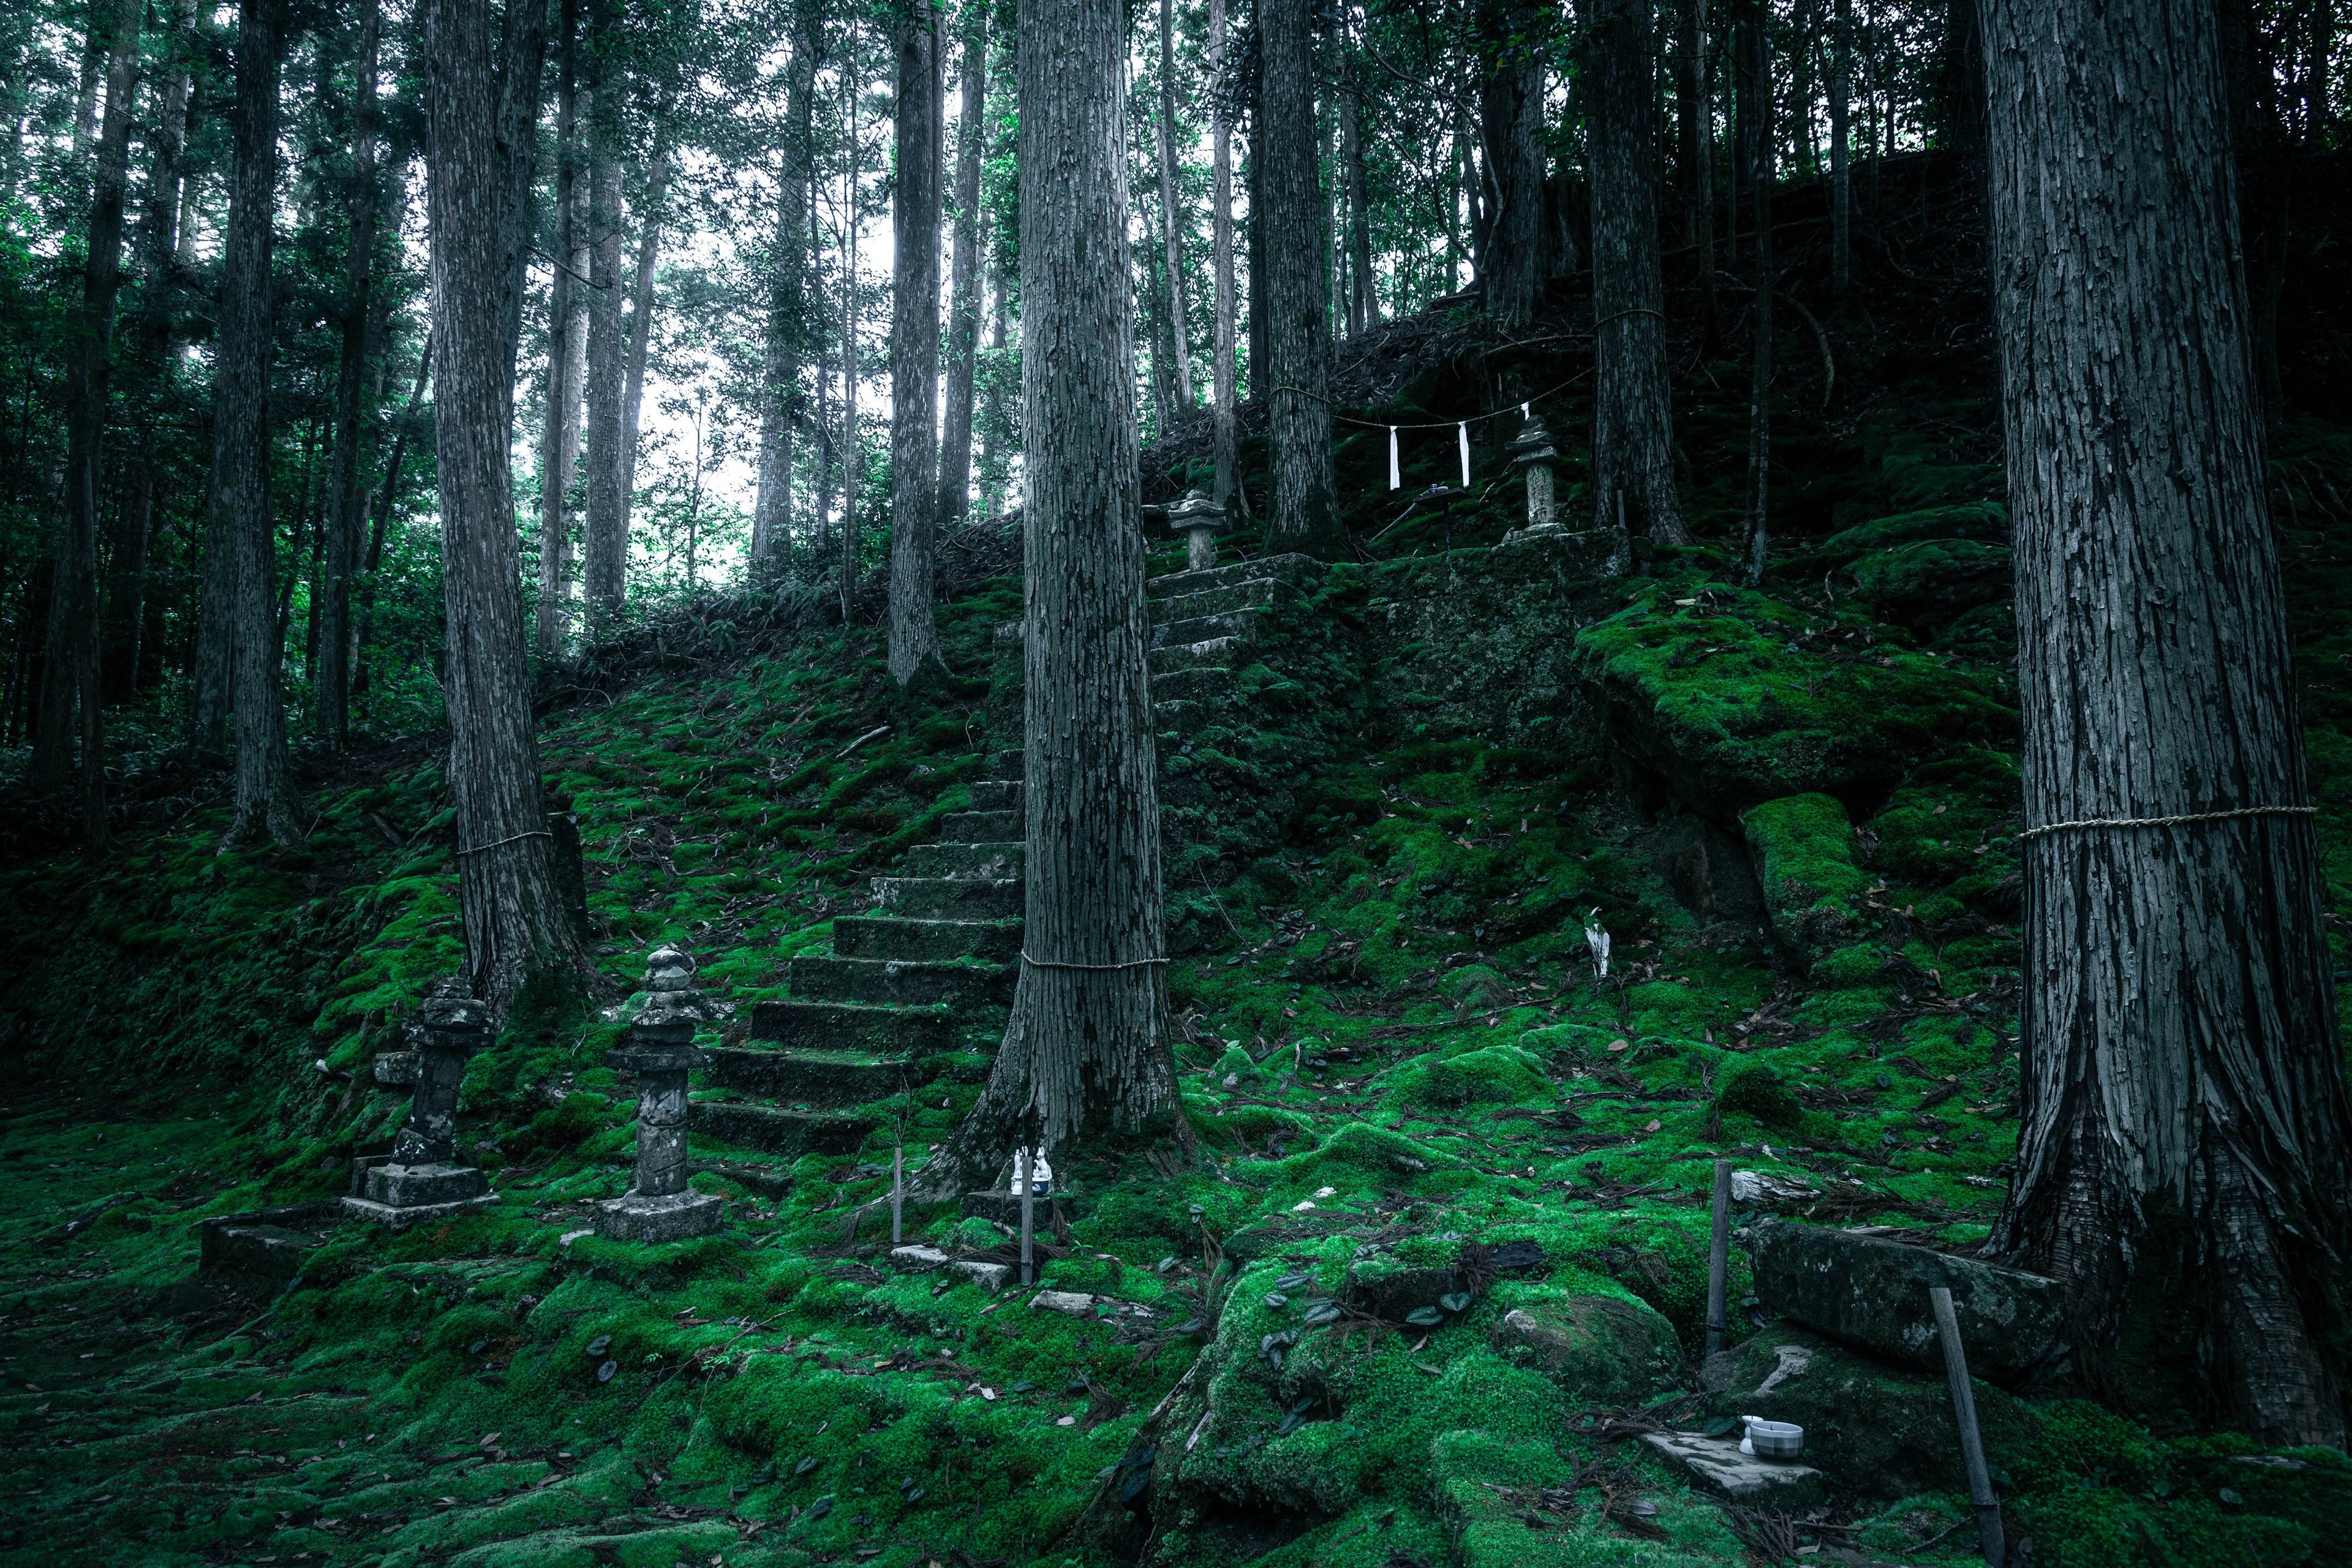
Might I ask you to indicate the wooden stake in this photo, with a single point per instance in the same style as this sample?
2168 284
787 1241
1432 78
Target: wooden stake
1028 1219
1964 1411
897 1195
1719 1258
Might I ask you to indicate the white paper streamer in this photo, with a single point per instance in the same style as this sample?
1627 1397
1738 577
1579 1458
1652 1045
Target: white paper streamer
1396 477
1462 438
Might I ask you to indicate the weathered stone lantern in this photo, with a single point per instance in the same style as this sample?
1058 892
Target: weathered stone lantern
422 1180
1200 520
660 1050
1533 454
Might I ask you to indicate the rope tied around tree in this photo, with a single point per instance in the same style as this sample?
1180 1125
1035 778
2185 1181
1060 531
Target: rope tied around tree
513 838
1050 963
2172 821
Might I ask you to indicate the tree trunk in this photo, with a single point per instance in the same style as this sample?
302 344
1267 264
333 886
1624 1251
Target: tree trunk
1363 299
641 312
1086 1051
964 312
1841 173
996 434
265 799
1517 256
851 455
347 505
1699 170
1171 205
2182 1162
71 708
915 345
788 313
1225 438
151 354
1254 180
1756 136
513 911
364 631
567 353
1298 417
605 554
1633 403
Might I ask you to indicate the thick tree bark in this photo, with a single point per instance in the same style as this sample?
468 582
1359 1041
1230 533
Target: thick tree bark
1224 436
1517 257
1841 172
71 707
265 800
1298 346
605 553
567 357
513 911
641 312
148 361
347 504
788 306
915 345
964 280
1086 1051
1632 404
1697 93
1363 297
852 463
1171 205
2182 1162
1755 140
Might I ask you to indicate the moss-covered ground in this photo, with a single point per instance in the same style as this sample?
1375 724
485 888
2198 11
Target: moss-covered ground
1790 807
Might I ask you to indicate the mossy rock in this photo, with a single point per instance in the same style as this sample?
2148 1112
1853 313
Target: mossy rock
1875 1428
1483 1483
1987 521
1932 582
1804 851
1494 1075
1754 1090
1606 1351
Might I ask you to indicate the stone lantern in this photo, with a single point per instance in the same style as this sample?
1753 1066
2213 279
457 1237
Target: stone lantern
1533 454
421 1181
660 1050
1200 520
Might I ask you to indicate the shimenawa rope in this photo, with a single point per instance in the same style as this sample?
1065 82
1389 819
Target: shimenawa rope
496 843
2173 821
1047 964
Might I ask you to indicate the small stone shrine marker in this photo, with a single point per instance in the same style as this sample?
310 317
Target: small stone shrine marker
1533 454
1200 520
660 1050
421 1180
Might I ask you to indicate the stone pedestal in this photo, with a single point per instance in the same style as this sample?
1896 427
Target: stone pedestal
660 1050
1200 520
422 1180
1533 454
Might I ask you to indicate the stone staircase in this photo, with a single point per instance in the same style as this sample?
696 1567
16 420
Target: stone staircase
916 990
919 989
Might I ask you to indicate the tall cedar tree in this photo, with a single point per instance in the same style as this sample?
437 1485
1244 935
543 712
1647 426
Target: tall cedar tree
641 306
1757 160
1171 208
2187 1134
1516 259
1298 348
965 276
915 345
338 555
1633 402
71 705
604 534
788 303
1695 166
477 170
567 355
1224 422
241 489
1086 1050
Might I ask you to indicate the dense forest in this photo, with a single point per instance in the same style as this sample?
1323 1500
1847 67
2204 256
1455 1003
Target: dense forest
1342 786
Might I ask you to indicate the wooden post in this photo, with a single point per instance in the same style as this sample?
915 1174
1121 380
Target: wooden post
897 1195
1719 1258
1964 1412
1028 1218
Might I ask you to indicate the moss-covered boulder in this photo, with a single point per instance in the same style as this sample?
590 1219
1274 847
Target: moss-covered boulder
1491 1491
1875 1428
1601 1350
1494 1075
1804 851
1932 582
1985 521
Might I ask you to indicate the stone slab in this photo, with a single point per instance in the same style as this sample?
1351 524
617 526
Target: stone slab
774 1131
405 1186
1717 1463
891 936
393 1217
674 1216
1872 1293
1077 1303
925 1259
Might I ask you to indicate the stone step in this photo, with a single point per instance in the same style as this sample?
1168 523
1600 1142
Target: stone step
1292 569
1238 624
1217 652
900 982
776 1130
888 936
1185 685
856 1027
989 862
1249 594
797 1074
981 827
1180 716
1007 764
949 898
996 795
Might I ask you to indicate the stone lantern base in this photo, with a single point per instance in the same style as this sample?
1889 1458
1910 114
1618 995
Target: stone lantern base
672 1216
399 1196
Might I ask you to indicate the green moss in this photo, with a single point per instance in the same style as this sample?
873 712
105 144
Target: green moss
1753 1089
